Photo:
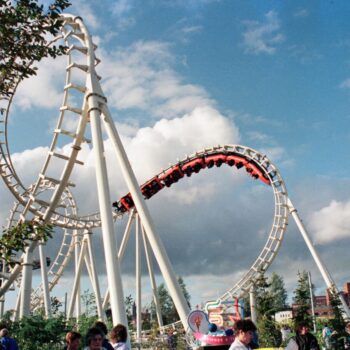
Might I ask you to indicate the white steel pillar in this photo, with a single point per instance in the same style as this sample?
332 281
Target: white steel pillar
109 242
138 280
312 302
121 251
45 280
252 300
18 302
154 239
94 280
76 282
76 260
153 281
26 285
323 270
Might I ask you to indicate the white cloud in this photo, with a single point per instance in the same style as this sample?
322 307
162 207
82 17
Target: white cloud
45 89
263 37
345 84
141 77
301 13
84 9
331 222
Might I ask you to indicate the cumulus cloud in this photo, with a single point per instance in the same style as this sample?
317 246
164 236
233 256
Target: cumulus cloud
141 77
345 84
263 37
331 222
301 13
45 89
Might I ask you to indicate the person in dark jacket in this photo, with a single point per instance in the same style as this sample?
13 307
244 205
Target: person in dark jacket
6 342
303 339
102 326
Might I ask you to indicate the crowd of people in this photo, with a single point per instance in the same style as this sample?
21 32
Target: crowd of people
246 338
96 338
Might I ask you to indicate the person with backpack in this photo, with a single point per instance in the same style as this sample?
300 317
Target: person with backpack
6 342
326 335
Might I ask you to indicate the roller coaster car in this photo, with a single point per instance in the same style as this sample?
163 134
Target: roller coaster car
256 173
239 162
151 187
216 159
127 202
172 175
194 165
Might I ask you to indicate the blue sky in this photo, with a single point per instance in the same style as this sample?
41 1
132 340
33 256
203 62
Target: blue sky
274 76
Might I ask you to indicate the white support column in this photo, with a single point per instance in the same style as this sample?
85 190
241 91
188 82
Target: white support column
252 300
76 280
153 280
95 283
323 270
45 280
154 239
18 302
138 280
109 241
2 298
76 260
121 251
2 306
312 302
26 285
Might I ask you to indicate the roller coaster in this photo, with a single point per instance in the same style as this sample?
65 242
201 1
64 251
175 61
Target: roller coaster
83 113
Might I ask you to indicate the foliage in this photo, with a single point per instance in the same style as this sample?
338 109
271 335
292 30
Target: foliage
16 238
269 333
89 303
278 292
169 312
302 299
36 332
264 299
337 322
24 27
129 302
271 295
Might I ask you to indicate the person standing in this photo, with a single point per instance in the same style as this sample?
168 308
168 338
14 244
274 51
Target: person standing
347 336
94 338
303 339
6 342
244 331
326 335
171 340
73 341
285 332
119 335
102 326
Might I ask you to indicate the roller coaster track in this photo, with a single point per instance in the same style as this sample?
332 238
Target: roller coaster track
257 166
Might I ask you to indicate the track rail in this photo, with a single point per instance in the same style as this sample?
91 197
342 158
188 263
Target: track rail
258 166
70 128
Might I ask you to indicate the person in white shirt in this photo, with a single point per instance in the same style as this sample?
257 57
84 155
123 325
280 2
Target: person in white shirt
118 337
244 333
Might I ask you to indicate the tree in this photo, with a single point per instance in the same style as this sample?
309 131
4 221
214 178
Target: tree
24 28
17 238
129 301
337 321
36 332
89 301
264 299
269 333
169 312
278 292
302 299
